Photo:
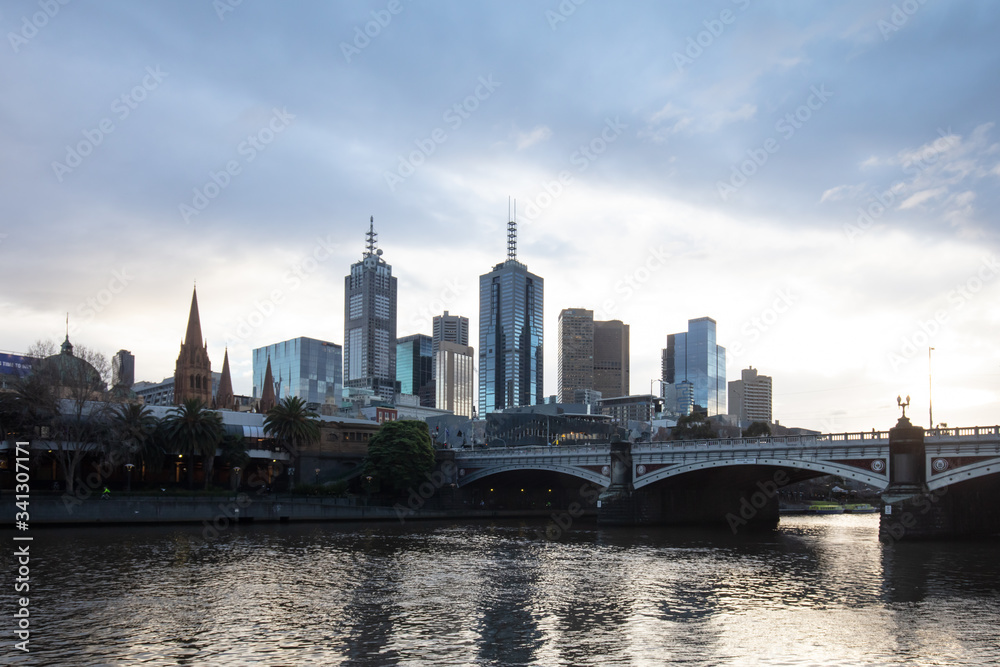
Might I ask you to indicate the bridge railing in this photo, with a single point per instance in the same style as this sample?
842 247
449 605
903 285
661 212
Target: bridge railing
857 438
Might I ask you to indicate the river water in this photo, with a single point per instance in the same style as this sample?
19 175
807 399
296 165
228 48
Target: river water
817 591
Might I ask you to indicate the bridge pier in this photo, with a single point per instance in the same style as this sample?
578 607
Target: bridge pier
912 512
616 506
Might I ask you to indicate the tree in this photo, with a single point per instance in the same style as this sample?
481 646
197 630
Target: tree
694 427
75 381
195 431
400 456
133 429
292 425
757 429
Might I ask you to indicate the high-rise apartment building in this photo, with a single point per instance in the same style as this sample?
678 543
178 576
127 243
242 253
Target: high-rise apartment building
414 370
370 323
695 366
306 368
454 381
750 397
510 334
593 355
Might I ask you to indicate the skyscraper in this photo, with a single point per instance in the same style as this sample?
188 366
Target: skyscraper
370 323
510 333
307 368
451 328
695 368
576 352
123 369
454 382
750 397
611 358
414 367
593 355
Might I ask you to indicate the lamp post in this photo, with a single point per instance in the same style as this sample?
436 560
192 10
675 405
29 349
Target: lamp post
129 466
237 470
317 475
368 489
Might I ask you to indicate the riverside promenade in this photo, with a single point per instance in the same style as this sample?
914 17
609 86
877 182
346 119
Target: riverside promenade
55 510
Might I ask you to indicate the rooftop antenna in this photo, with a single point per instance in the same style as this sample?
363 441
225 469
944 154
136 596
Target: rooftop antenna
371 237
512 233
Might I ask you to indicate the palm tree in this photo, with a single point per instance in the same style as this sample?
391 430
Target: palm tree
134 427
196 431
292 424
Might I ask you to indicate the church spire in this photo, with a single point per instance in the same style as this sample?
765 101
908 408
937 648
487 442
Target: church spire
224 399
267 400
193 335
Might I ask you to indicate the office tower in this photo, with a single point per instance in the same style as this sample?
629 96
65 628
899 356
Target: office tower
193 371
454 381
592 355
750 397
307 368
510 334
576 352
611 358
414 362
451 328
123 369
693 358
370 323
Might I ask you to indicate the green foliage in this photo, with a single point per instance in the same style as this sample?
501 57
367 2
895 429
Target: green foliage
400 456
291 424
757 429
195 431
694 427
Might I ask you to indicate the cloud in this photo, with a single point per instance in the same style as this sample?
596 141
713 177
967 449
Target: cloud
537 135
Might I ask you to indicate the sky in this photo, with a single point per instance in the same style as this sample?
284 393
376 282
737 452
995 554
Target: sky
816 177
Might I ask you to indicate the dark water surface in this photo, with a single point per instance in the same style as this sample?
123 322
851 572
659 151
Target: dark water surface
818 591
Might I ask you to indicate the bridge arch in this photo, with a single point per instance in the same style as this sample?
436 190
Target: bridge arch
963 474
573 471
879 481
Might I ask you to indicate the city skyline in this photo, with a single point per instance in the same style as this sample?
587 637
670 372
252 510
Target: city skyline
815 179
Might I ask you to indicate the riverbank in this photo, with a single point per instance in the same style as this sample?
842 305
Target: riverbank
242 508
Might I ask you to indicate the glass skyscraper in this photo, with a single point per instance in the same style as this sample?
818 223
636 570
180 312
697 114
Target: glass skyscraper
370 323
696 368
304 367
510 334
414 359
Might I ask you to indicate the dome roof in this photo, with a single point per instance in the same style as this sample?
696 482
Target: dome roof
66 370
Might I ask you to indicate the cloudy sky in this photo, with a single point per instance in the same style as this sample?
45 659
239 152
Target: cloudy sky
820 178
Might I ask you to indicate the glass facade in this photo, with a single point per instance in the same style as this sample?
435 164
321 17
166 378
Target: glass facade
696 366
304 367
510 338
414 361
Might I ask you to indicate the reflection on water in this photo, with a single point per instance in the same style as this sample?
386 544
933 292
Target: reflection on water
819 590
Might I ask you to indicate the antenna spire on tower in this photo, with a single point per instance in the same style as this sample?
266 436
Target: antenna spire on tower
512 232
371 238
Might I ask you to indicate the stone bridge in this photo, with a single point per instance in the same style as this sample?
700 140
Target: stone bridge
705 480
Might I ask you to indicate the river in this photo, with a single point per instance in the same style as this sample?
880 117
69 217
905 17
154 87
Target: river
817 591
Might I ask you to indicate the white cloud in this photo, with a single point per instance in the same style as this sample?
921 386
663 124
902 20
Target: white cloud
537 135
